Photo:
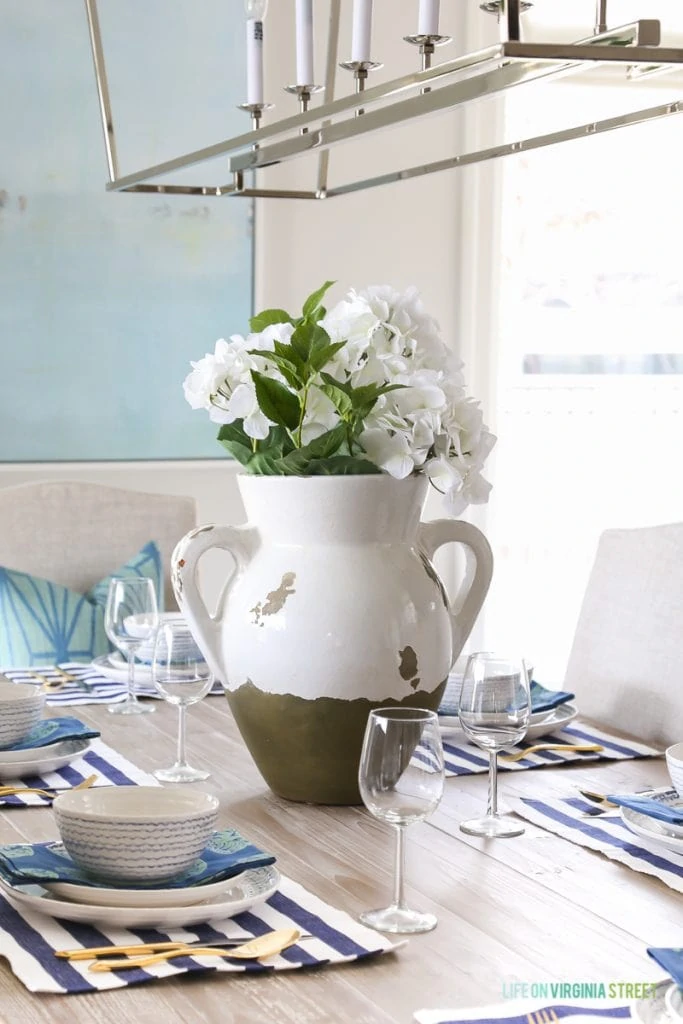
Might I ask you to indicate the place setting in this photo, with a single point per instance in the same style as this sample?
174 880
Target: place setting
552 733
154 887
642 829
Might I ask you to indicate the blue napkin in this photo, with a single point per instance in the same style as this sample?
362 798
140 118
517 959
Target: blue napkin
227 854
54 730
672 961
546 700
652 807
541 698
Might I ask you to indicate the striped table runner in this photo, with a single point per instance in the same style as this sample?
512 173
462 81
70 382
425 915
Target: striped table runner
112 769
28 940
463 758
590 1010
100 689
605 833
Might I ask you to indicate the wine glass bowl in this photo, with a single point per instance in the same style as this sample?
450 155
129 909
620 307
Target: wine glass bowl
401 778
494 710
131 618
181 677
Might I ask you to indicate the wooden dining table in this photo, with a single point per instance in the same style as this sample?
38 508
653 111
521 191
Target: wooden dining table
532 909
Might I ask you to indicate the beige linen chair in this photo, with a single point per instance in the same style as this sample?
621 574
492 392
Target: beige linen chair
626 661
76 533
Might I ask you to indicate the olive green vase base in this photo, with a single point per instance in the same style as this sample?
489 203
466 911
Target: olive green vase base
309 750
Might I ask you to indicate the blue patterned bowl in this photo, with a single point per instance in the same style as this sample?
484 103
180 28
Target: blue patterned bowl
21 708
135 834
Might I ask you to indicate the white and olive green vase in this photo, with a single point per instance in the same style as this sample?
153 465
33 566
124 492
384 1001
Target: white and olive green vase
334 609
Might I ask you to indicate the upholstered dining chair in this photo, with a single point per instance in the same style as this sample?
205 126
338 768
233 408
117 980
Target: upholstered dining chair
75 533
626 660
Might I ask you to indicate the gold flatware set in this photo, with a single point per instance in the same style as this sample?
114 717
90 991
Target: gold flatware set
578 748
148 954
48 793
52 685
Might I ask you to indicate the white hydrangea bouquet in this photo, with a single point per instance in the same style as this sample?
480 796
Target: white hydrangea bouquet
365 387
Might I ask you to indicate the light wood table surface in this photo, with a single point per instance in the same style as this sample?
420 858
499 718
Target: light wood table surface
535 908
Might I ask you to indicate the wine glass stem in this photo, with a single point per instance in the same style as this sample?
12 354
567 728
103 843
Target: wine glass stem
492 809
181 736
399 866
132 695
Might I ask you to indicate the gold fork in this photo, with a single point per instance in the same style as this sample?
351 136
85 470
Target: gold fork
49 793
579 748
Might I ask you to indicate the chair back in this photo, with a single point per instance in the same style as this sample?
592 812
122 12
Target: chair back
76 533
626 660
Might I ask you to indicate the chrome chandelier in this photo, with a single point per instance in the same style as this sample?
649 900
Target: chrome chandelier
435 88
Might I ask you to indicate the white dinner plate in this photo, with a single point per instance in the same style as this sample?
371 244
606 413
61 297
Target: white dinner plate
653 1010
103 896
556 720
658 832
248 889
113 666
552 721
669 798
55 756
673 1000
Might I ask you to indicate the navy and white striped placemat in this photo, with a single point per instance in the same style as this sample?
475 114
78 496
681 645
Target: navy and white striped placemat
463 758
605 833
112 769
518 1012
28 941
94 689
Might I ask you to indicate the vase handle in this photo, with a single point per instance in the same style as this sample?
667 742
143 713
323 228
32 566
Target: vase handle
239 541
466 604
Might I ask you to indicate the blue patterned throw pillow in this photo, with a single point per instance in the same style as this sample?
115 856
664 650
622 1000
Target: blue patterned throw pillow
43 623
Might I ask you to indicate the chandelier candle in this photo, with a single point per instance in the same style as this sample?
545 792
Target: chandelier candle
256 12
304 42
362 30
428 18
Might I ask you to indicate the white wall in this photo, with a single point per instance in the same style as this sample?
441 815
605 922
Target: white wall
402 234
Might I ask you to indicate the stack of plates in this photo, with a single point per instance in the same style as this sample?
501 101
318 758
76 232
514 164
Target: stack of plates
663 834
17 764
185 645
146 908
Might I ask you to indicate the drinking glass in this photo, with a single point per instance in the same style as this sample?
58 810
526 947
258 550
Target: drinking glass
401 781
494 710
182 677
130 618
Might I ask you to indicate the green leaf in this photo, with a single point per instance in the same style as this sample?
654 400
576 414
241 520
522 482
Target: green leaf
339 398
342 465
278 443
341 384
234 432
312 303
285 365
238 451
321 355
267 317
276 401
297 462
263 464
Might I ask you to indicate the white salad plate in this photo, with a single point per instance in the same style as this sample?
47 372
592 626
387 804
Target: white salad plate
245 891
659 832
43 759
547 722
103 896
669 798
653 1010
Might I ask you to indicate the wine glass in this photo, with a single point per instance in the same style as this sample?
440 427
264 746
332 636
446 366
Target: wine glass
182 677
401 778
130 618
494 710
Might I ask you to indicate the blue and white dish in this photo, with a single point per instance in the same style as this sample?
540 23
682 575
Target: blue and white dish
664 833
135 834
244 892
21 708
43 759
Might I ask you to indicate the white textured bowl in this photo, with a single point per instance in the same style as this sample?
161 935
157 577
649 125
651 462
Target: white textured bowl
21 708
674 762
135 834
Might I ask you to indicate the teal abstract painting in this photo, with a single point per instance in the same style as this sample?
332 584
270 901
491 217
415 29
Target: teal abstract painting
106 297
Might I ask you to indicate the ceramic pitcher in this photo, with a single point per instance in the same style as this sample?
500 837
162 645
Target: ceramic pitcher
334 608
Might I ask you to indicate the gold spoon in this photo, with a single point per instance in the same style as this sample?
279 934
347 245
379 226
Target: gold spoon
255 949
579 748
